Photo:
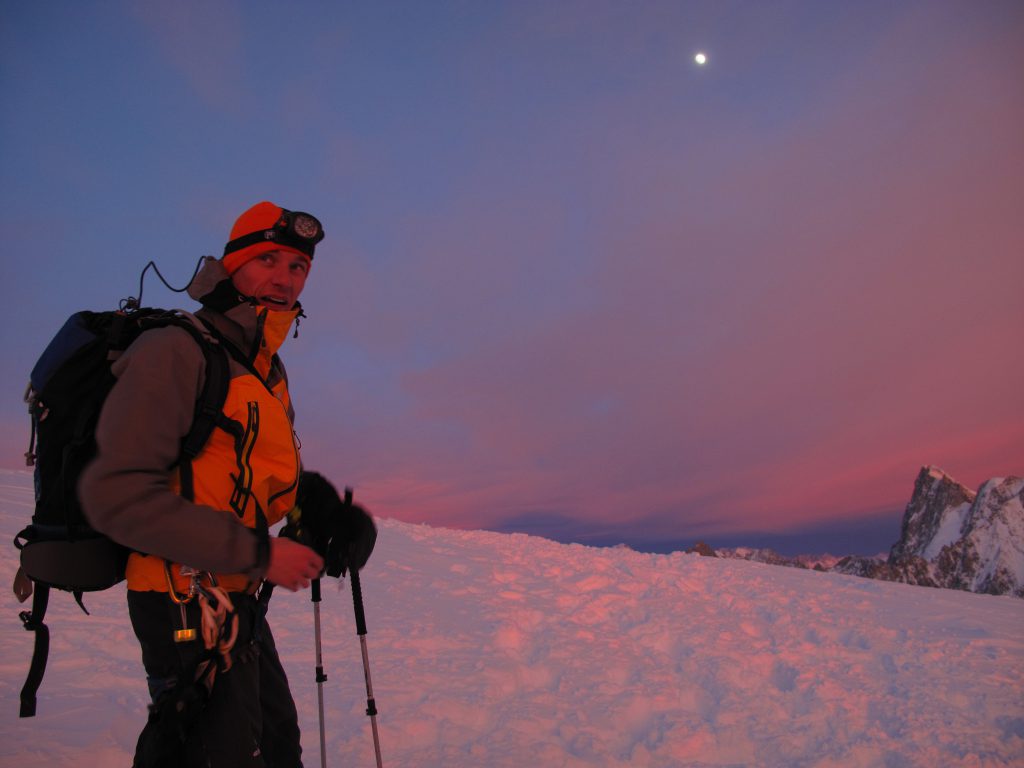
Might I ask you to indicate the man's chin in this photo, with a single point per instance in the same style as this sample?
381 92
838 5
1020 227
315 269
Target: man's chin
274 307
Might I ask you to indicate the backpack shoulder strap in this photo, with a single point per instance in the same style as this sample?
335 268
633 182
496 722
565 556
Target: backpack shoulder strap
208 406
232 349
211 398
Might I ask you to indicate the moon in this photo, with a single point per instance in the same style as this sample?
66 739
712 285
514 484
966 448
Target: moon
701 59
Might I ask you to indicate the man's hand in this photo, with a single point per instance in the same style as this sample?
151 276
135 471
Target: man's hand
341 531
353 540
292 565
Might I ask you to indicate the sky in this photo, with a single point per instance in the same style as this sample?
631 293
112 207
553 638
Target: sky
574 284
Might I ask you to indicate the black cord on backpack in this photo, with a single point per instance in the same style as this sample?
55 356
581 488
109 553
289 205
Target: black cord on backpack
132 303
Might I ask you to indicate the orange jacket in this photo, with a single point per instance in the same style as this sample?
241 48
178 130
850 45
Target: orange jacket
246 471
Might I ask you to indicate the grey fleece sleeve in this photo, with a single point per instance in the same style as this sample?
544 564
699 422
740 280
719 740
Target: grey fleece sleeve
125 491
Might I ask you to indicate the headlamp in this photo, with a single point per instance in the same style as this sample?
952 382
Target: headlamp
295 229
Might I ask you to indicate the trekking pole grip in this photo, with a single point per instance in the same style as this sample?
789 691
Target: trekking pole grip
357 600
357 590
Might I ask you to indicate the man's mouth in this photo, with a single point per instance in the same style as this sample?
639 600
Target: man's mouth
274 301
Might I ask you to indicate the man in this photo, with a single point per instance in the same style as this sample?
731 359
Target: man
199 530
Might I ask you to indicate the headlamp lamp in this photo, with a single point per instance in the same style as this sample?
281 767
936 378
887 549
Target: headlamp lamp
295 229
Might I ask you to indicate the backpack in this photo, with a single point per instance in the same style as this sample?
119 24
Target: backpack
66 392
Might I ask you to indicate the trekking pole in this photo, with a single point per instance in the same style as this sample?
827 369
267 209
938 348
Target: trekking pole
357 602
320 676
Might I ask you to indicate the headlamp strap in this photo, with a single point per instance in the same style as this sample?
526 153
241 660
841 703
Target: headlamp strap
269 235
295 229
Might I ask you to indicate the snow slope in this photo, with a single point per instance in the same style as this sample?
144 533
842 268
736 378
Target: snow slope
506 650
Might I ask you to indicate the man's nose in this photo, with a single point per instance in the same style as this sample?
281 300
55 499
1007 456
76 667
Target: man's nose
282 277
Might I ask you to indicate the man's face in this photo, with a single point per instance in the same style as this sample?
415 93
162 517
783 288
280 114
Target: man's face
275 279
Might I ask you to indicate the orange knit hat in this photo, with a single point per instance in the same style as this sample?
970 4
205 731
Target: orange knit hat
269 227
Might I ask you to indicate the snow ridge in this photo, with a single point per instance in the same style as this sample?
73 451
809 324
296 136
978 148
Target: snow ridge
505 650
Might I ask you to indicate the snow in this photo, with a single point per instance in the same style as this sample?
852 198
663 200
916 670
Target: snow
949 531
507 650
998 519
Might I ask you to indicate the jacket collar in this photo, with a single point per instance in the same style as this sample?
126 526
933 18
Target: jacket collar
256 331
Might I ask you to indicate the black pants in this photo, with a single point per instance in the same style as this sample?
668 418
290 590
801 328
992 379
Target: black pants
249 718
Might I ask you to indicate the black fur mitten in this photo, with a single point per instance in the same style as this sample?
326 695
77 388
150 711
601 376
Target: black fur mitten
341 532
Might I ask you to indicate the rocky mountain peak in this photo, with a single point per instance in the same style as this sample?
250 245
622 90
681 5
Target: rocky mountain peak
934 517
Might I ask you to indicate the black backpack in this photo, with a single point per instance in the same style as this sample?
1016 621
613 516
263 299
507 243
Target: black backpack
66 392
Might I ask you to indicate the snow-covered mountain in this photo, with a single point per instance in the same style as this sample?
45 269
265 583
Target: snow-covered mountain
956 538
